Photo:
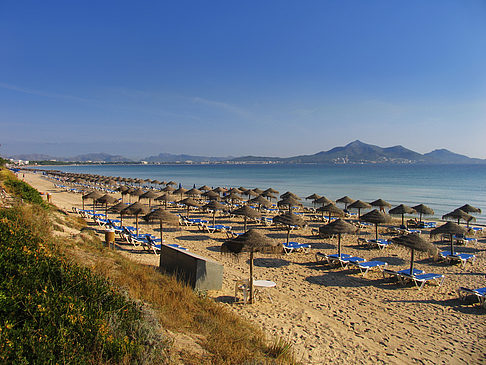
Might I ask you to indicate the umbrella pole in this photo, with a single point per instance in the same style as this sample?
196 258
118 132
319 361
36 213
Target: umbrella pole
161 237
376 231
214 216
244 229
288 234
339 245
136 222
402 221
411 262
251 277
452 244
83 203
121 220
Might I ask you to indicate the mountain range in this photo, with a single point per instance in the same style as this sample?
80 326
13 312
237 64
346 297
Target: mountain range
355 152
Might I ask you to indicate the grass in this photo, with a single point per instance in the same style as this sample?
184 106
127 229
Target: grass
108 309
20 189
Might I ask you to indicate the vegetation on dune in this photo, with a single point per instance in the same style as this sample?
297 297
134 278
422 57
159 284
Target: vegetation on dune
73 300
20 189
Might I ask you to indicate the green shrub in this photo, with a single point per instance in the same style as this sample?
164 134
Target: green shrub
52 311
21 189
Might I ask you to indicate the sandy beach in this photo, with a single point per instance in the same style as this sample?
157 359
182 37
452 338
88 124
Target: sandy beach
331 314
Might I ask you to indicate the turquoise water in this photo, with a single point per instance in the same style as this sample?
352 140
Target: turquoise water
441 187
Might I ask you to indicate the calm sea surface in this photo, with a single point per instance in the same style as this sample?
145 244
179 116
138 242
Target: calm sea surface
443 188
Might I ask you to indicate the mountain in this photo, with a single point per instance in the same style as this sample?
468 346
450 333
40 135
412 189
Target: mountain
358 152
444 156
98 157
168 157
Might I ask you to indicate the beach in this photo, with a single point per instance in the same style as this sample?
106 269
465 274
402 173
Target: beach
333 314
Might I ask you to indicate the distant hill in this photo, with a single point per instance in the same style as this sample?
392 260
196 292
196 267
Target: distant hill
355 152
358 152
168 157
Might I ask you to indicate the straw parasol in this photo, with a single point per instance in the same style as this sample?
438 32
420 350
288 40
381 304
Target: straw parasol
214 206
470 209
189 202
150 194
289 201
205 188
313 197
271 191
257 191
118 208
163 216
290 220
251 193
247 212
106 199
401 209
193 192
137 192
422 209
415 242
323 201
459 214
261 201
251 241
136 209
171 183
331 209
339 227
382 204
93 196
287 194
165 198
232 197
168 189
181 191
211 195
346 200
451 229
376 217
358 204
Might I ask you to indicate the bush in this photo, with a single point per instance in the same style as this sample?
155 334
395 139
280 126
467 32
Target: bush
52 311
21 189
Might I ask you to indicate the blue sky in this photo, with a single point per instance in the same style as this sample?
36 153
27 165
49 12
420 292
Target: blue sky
220 78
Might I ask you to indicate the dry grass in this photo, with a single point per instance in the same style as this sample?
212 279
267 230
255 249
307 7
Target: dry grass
224 337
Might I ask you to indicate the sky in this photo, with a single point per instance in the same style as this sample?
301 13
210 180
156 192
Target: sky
233 78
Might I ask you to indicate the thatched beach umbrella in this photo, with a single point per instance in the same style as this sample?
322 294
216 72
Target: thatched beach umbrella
232 197
402 209
382 204
150 194
289 220
247 212
205 188
93 196
211 195
332 210
194 192
289 194
346 200
422 209
261 201
106 199
168 189
165 198
358 204
219 190
251 241
459 214
271 191
470 209
118 208
451 229
323 201
376 217
289 201
189 202
164 217
415 242
250 193
214 206
171 183
339 227
257 191
181 191
136 209
312 197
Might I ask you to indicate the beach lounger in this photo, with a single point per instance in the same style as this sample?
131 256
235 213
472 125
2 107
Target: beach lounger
322 257
366 266
295 246
380 243
479 293
458 258
345 261
396 274
463 240
422 279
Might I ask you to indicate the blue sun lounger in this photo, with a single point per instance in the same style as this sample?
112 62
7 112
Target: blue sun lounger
461 258
366 266
295 246
420 280
480 294
396 274
380 243
322 257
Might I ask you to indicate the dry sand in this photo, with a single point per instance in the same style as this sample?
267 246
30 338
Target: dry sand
334 314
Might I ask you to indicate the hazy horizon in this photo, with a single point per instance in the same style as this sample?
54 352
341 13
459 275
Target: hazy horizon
273 78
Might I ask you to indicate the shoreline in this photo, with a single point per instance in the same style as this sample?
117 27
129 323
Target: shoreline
335 314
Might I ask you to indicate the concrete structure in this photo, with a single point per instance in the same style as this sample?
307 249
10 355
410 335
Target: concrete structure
198 272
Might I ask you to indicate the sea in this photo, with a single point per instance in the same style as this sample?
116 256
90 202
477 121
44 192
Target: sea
441 187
